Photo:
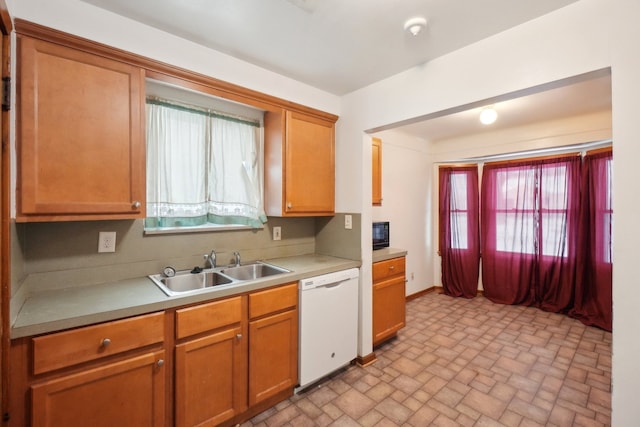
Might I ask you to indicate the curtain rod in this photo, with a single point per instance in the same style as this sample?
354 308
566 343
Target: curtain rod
537 152
154 100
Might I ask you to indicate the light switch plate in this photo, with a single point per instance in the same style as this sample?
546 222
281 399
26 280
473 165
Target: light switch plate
106 241
348 222
277 233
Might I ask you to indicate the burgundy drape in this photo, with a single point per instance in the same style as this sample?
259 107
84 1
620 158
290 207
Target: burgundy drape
529 228
459 230
593 301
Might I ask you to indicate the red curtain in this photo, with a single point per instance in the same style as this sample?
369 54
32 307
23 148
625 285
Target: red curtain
530 231
459 234
593 303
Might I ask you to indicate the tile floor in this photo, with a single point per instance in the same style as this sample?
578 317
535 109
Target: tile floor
467 363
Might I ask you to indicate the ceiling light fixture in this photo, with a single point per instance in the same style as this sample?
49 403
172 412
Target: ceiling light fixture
415 25
488 116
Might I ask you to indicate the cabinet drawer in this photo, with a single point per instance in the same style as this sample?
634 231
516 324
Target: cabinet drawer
68 348
272 300
388 268
205 317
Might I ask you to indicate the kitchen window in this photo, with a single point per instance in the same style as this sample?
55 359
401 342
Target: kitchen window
204 168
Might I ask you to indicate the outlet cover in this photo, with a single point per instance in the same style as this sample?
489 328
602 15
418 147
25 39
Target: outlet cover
106 241
277 233
348 222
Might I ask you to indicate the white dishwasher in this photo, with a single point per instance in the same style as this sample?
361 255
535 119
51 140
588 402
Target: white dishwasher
328 324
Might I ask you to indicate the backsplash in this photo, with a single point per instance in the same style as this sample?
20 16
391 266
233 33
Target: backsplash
64 254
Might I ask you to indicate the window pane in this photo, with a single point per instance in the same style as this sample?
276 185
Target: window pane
554 234
516 189
459 191
553 187
515 232
459 230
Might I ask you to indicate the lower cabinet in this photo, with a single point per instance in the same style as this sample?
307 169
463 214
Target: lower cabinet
211 369
273 342
235 354
110 374
389 298
125 393
210 364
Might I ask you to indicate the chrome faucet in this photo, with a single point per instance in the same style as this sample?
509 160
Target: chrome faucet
236 254
210 259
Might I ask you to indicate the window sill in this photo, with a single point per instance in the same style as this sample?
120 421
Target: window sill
196 229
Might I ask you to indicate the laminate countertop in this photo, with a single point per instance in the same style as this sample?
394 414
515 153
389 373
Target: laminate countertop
387 253
54 310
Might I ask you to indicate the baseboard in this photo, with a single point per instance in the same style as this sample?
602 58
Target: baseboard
367 360
437 289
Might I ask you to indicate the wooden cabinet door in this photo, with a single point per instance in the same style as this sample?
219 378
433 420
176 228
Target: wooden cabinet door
80 135
125 393
310 166
211 378
376 171
273 355
388 308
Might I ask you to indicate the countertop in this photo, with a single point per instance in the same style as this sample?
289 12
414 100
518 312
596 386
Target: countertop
55 310
387 253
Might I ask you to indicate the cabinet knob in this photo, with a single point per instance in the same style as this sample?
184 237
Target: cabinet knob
393 267
238 337
105 342
136 204
289 205
160 363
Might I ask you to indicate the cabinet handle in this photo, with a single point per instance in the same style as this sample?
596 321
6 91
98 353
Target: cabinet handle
289 205
393 267
105 342
160 363
136 204
238 337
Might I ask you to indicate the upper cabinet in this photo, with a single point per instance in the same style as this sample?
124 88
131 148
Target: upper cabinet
376 171
80 135
299 165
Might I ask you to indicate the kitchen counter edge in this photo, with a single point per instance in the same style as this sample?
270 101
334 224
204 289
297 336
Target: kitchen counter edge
387 253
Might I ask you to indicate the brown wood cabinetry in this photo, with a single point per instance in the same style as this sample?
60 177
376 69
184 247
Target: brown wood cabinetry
211 366
125 393
273 342
104 375
299 165
389 298
376 171
80 135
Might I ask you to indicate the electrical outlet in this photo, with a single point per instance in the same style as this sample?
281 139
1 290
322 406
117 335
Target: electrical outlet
107 241
277 233
348 222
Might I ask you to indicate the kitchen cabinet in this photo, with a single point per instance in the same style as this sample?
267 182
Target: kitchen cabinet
235 357
389 298
299 164
273 342
112 374
125 393
376 171
80 135
211 365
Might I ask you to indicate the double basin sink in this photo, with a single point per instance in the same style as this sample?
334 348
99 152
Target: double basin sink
193 281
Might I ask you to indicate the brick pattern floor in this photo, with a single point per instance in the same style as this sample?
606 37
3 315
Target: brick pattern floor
465 362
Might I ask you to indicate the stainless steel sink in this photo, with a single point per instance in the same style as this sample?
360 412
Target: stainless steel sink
252 271
185 281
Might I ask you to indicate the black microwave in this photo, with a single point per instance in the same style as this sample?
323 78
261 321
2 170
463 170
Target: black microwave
380 235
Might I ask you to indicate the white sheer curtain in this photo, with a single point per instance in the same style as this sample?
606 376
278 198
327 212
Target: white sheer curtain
202 168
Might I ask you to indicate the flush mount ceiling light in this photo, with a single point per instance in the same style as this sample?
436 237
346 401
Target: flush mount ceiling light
488 116
415 25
